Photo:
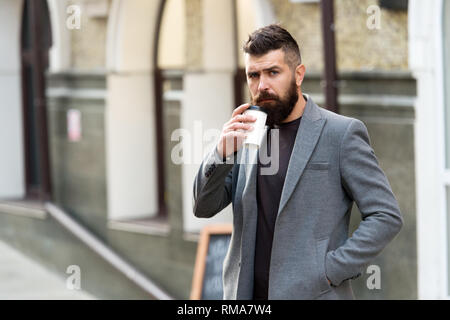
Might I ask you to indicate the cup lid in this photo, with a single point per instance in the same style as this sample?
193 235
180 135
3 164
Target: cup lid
258 108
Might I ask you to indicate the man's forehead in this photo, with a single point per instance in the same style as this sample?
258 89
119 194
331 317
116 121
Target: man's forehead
270 59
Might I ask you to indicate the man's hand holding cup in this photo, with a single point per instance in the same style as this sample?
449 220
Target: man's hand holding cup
235 131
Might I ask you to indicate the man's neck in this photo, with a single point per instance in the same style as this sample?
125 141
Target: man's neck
298 110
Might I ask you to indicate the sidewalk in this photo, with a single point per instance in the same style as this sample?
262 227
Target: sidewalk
23 279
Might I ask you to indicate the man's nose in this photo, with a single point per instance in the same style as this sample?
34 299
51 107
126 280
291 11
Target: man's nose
263 85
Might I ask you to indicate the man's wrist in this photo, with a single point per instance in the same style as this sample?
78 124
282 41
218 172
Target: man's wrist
222 158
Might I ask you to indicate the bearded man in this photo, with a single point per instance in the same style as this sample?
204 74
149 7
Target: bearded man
290 228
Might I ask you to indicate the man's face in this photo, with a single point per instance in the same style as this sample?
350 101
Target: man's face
272 84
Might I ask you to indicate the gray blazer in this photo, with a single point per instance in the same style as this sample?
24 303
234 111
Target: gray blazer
332 165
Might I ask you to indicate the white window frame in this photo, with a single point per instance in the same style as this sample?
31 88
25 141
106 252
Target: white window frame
445 176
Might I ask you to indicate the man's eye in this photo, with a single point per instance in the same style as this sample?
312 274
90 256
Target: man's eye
252 75
273 73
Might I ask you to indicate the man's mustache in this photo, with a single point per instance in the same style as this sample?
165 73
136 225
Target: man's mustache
266 96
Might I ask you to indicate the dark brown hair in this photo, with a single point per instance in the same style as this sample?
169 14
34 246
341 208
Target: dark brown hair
273 37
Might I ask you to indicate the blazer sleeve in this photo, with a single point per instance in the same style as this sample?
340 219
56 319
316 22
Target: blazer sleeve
212 186
367 185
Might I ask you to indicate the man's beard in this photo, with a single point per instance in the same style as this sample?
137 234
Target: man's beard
280 108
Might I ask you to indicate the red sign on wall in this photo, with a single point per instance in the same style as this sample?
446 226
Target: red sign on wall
74 125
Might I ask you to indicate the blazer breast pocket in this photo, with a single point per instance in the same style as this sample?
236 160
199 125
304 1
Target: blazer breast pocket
317 166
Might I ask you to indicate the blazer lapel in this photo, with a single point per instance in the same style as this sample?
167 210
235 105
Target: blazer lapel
249 200
308 134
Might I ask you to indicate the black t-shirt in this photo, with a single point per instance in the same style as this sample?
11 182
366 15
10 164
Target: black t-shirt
269 188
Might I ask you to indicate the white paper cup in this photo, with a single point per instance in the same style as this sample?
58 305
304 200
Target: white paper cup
254 137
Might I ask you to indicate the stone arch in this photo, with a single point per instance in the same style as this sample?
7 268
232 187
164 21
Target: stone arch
130 112
131 34
130 61
59 55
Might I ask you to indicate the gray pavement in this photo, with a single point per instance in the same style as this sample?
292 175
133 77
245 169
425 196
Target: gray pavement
23 279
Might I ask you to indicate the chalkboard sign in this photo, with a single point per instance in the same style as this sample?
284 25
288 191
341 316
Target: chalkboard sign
211 251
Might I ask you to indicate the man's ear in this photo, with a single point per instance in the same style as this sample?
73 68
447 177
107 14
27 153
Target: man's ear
299 74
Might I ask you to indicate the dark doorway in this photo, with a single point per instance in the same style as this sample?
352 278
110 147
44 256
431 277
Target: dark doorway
36 41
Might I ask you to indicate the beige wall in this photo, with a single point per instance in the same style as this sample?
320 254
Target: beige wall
358 48
361 48
88 44
246 24
303 22
194 34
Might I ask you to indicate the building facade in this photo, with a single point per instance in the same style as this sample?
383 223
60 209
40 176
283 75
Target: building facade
109 106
